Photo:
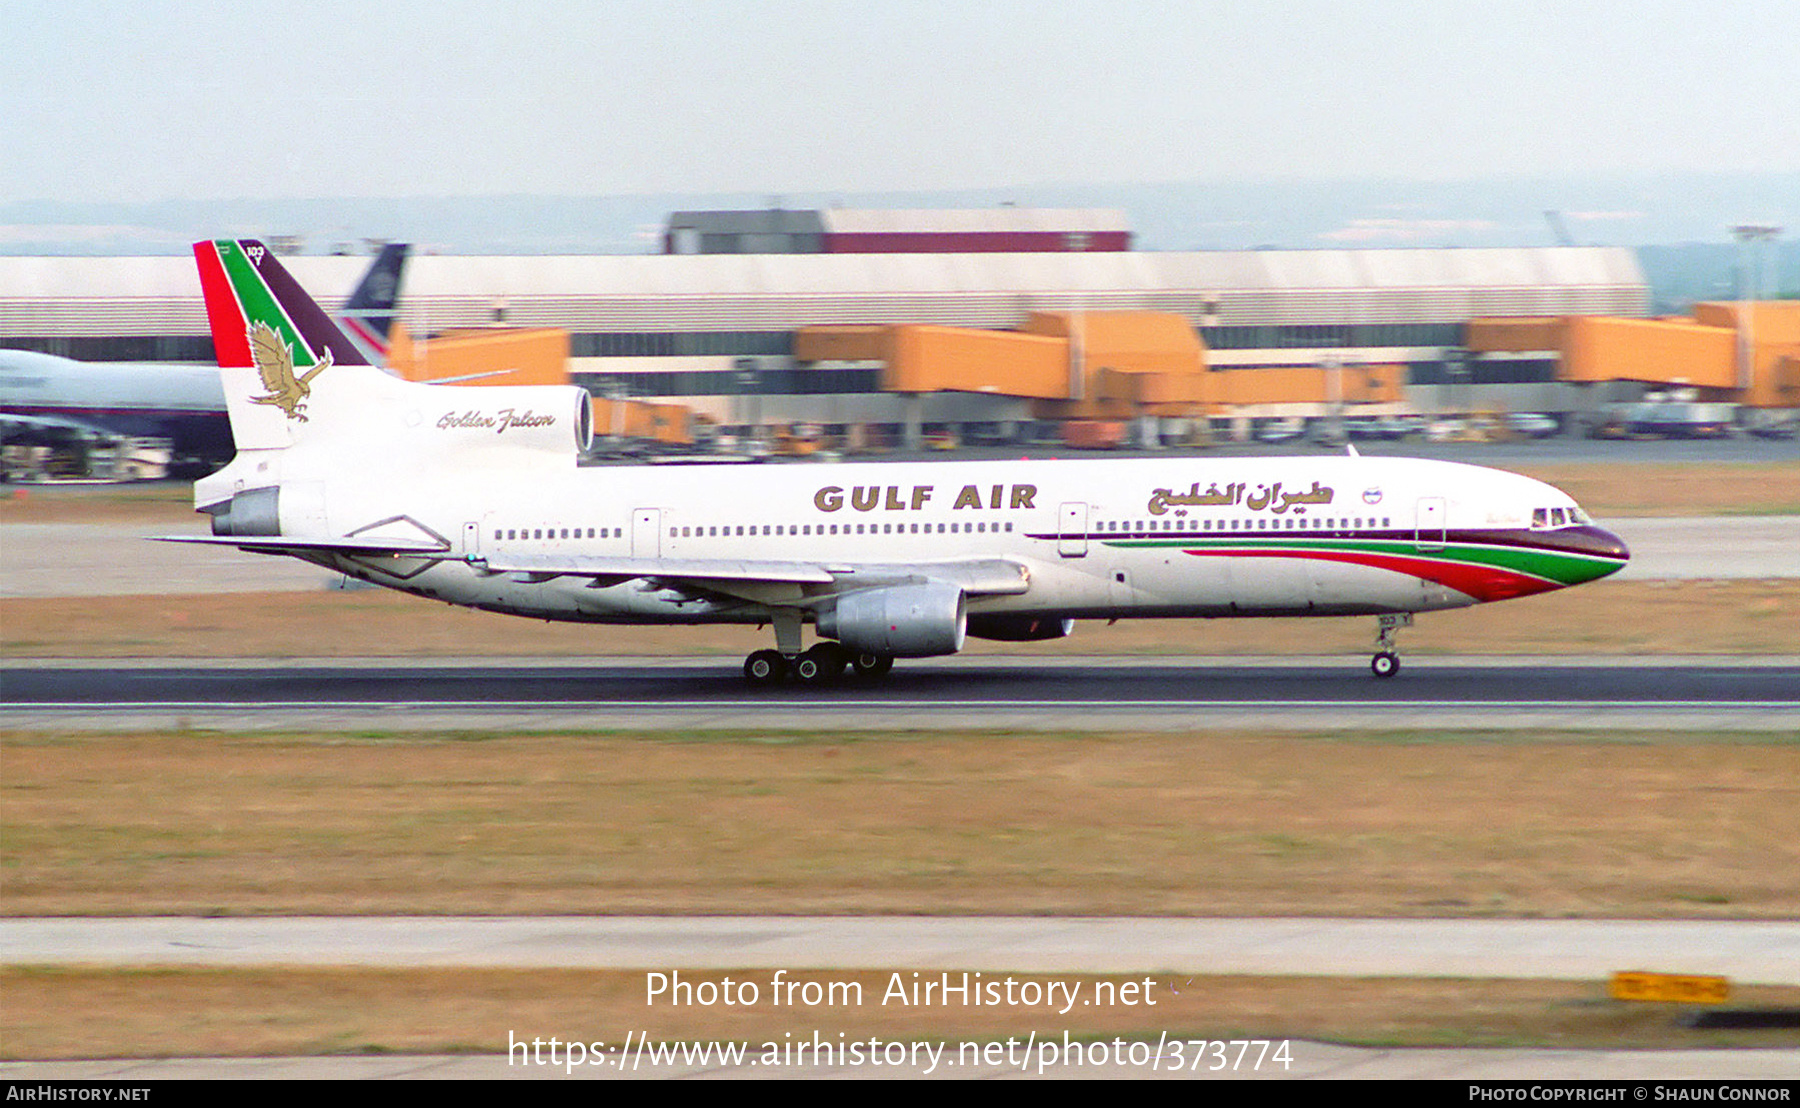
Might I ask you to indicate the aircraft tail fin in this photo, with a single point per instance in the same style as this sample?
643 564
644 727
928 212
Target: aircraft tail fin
368 316
272 340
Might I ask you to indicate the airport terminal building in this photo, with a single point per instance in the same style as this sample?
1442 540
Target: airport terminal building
744 325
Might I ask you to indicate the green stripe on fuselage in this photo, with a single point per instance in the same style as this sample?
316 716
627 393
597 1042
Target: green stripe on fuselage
1550 565
259 304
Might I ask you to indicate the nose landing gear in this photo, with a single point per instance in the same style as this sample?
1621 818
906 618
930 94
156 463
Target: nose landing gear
1386 662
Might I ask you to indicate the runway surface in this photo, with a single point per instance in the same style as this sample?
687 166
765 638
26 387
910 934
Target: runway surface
1117 694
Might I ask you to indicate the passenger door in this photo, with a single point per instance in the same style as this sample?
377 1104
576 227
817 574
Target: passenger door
1430 533
646 533
1071 530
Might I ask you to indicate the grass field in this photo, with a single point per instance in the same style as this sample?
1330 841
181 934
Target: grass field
1380 824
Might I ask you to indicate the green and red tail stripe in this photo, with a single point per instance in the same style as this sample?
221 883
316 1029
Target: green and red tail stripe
244 283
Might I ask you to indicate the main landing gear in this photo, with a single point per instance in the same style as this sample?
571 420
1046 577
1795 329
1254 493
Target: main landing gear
824 664
1386 661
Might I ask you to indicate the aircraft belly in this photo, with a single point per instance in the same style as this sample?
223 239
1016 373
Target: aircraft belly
1057 587
571 599
640 601
1170 581
1356 589
1348 584
1246 585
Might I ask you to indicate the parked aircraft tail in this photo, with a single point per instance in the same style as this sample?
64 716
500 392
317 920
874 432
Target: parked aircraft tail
368 316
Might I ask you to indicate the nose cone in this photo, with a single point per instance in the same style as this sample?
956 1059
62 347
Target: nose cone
1603 552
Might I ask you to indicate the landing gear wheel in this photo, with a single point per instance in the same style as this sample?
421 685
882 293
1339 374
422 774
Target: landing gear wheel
765 667
871 665
1386 661
822 665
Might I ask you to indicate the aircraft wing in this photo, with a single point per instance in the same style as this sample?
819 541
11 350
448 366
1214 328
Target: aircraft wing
745 579
279 544
748 579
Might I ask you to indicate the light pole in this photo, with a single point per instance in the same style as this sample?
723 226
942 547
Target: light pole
1748 236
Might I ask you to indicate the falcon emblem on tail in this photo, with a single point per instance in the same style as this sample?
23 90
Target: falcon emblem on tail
275 364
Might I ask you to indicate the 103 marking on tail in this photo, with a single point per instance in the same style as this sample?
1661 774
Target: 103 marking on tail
476 497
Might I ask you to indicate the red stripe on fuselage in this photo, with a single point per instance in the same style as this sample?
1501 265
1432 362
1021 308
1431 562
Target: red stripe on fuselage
230 332
1483 582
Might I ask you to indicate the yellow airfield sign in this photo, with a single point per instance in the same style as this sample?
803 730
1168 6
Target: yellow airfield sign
1681 988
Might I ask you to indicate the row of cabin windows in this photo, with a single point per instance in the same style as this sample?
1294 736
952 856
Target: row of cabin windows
1553 517
560 533
832 529
1292 523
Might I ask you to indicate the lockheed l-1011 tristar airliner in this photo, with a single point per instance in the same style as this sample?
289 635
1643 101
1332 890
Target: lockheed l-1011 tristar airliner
475 496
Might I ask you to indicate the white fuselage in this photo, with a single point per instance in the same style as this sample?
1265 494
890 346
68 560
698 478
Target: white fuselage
44 383
1098 538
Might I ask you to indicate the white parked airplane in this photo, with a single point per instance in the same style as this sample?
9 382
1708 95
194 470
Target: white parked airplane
476 497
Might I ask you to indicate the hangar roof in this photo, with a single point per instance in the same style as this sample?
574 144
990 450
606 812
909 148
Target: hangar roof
853 221
747 292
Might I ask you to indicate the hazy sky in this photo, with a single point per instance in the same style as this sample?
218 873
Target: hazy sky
142 100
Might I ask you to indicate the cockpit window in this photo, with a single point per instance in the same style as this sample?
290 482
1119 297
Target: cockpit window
1543 518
